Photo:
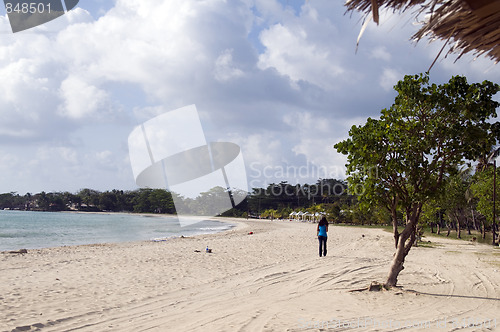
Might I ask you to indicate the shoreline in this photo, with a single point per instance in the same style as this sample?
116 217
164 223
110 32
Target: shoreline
230 222
270 280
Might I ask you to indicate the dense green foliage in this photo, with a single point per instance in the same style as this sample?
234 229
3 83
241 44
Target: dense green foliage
326 195
482 190
140 201
403 159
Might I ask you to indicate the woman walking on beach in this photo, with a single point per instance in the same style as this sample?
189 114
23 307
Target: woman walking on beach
322 230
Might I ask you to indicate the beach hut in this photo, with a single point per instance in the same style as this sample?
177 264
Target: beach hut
318 216
292 216
308 216
471 25
300 216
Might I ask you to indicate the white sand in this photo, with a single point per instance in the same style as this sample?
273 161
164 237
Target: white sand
272 280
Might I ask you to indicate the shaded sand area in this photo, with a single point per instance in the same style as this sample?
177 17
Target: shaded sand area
271 280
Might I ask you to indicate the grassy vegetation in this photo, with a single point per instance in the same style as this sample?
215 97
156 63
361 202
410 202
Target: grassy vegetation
465 236
475 236
428 244
375 226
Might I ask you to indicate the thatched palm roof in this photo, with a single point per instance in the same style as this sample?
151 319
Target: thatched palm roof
473 25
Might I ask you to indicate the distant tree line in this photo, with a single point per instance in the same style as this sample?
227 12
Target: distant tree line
139 201
465 204
282 198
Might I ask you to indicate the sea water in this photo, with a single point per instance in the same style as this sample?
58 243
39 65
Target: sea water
34 230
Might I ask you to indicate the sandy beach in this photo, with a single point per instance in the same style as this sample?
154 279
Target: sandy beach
271 280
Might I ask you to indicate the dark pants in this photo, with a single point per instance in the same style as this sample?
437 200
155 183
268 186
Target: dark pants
322 245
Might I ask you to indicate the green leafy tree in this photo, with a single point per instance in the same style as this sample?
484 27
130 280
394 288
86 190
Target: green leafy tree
482 188
428 131
43 201
9 201
161 201
211 201
269 214
107 201
142 203
455 200
430 214
89 197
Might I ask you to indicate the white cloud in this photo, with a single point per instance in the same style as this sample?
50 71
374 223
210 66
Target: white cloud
381 53
61 153
105 160
315 136
80 99
143 114
27 100
262 148
290 51
224 69
8 161
389 78
284 83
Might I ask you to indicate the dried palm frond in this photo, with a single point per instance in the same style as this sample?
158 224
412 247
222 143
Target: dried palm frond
473 25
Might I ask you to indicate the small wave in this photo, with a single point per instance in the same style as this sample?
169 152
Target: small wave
163 239
214 229
8 236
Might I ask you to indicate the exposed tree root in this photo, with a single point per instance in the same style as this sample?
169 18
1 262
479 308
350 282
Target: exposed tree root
373 287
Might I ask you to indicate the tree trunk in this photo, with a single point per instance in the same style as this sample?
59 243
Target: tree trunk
398 260
457 215
468 224
440 223
483 229
405 241
395 226
474 224
495 233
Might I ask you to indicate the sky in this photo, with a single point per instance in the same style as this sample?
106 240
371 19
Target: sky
282 79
